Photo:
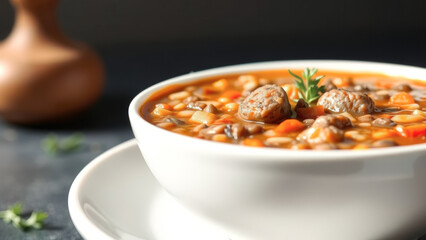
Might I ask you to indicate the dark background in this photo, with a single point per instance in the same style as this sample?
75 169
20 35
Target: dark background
158 39
143 42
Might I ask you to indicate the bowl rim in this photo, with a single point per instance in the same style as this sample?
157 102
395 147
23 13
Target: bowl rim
275 154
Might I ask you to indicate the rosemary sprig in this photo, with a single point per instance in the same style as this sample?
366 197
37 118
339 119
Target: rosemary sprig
311 91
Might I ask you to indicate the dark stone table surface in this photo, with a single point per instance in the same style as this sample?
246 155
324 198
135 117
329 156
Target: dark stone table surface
42 182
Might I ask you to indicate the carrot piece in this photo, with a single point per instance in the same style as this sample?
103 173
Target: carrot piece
231 94
292 91
209 90
360 147
164 106
402 98
289 125
384 115
413 131
382 134
310 112
252 142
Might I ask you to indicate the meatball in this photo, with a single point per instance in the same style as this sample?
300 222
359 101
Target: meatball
328 84
338 121
267 104
340 100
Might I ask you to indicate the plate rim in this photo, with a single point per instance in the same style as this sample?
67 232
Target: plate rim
86 228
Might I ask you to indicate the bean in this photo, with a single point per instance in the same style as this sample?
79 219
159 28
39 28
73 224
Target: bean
384 143
191 99
324 146
383 122
164 106
203 117
412 106
278 140
179 95
419 112
198 128
364 124
231 107
403 87
196 106
220 138
254 129
161 112
221 84
185 113
212 130
408 118
308 122
175 121
165 125
235 131
366 118
249 82
355 135
224 100
179 106
300 146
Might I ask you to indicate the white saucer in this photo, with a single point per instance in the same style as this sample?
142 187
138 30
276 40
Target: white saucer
116 197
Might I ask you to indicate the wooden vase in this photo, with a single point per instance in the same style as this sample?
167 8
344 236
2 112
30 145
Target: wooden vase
44 76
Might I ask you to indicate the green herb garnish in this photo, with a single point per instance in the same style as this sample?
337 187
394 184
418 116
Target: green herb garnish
13 215
53 145
309 92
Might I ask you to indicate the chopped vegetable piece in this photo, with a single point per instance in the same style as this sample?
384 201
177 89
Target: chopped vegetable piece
402 98
292 92
161 112
290 125
382 134
342 82
164 106
231 94
310 112
221 84
252 142
361 147
412 131
203 117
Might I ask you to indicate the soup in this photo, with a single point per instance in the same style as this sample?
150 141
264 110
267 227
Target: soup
295 110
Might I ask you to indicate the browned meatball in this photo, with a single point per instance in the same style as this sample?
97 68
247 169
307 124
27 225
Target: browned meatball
267 104
338 121
340 100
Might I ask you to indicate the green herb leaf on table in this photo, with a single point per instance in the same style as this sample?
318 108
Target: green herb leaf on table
53 145
309 91
13 215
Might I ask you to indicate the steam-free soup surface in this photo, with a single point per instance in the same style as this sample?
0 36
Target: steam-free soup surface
268 109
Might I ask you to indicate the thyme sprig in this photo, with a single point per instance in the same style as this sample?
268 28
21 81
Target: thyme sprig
311 91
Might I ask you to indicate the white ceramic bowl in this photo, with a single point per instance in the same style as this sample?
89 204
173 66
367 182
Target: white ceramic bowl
262 193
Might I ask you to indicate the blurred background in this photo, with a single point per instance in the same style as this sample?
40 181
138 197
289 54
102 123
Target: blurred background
142 42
